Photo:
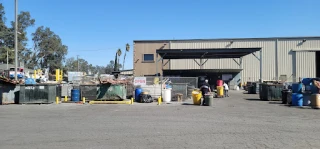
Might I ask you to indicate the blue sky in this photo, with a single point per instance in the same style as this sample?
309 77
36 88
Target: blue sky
95 29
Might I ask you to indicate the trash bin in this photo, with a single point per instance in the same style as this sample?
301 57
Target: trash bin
284 96
208 100
37 93
196 96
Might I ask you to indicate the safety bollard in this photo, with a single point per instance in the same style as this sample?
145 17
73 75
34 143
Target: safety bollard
84 100
57 100
159 100
65 98
132 101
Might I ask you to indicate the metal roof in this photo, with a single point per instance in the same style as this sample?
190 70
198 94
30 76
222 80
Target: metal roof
228 39
205 53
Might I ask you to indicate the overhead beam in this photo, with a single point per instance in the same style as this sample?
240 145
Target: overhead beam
236 62
256 56
204 62
197 62
161 57
166 62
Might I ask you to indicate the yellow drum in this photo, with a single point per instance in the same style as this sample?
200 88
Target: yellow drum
220 91
196 96
315 101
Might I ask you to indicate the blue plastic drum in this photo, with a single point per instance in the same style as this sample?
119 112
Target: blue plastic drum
75 95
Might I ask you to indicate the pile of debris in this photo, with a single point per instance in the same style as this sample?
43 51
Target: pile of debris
6 80
112 80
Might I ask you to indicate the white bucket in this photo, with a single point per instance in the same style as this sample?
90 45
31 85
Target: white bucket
166 95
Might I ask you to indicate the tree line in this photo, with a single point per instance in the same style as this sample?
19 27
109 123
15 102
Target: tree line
48 51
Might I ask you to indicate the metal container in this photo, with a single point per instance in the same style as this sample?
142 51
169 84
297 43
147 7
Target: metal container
66 90
89 91
9 93
284 96
255 88
270 92
39 93
112 92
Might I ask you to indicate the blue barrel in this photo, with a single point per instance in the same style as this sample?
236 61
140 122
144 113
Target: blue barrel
297 99
314 89
307 81
306 99
296 87
137 94
75 95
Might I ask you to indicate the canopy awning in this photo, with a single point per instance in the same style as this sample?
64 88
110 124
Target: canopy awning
205 53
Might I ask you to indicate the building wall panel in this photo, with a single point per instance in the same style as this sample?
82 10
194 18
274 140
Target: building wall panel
278 57
251 65
286 53
304 65
147 68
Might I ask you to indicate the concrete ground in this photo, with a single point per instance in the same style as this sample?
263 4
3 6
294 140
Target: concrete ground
240 121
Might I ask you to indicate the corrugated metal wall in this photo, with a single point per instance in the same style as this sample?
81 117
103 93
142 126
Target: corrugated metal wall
250 64
303 65
277 57
286 57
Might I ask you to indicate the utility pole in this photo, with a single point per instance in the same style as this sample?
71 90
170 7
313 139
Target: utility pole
78 62
7 59
16 39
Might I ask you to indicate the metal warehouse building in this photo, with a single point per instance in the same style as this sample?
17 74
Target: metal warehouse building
285 58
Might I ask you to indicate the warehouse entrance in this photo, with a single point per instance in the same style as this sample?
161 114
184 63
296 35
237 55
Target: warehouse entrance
318 64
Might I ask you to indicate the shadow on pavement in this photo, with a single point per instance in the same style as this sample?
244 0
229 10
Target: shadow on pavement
275 102
253 99
189 104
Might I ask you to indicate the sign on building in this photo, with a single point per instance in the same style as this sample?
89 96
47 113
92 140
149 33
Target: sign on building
140 81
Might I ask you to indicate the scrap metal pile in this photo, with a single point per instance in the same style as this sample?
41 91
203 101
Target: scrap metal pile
110 79
11 81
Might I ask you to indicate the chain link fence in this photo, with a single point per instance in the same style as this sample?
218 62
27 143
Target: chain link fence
179 85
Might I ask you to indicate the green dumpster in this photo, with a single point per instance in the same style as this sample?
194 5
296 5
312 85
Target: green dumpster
112 92
271 92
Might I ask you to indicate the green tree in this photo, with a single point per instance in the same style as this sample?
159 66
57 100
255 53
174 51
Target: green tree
7 36
110 67
24 21
72 64
49 52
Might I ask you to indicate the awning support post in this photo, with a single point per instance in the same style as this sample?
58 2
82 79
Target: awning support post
166 62
158 60
260 66
241 66
157 65
161 78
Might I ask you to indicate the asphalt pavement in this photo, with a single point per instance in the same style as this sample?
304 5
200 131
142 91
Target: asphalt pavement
240 121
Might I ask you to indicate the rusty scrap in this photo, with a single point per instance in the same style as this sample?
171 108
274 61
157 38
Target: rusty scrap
109 80
6 80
